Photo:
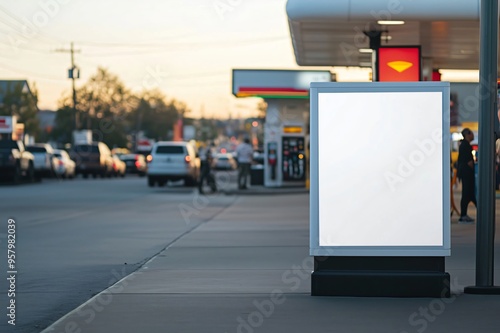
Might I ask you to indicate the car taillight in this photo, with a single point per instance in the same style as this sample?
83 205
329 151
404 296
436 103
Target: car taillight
149 158
137 164
187 158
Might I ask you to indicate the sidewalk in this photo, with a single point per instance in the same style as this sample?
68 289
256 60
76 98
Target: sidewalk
248 270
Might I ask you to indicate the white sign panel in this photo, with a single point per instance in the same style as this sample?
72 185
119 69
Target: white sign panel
189 132
380 169
7 124
82 136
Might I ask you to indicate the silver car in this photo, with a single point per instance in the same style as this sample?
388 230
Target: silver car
65 166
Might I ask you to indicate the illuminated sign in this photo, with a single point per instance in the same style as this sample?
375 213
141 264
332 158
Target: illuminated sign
272 92
276 83
292 129
398 64
402 129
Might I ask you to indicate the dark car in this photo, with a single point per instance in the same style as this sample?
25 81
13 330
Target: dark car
16 162
135 163
92 159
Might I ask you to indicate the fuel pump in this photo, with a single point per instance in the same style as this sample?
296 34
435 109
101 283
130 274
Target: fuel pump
293 158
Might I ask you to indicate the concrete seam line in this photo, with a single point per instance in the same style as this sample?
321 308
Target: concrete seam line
50 328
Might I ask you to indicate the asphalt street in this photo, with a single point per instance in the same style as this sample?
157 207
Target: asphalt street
75 238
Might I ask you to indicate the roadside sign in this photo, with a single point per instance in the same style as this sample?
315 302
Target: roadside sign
380 169
7 124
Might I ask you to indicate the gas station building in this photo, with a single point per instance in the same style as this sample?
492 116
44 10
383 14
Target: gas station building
401 40
286 93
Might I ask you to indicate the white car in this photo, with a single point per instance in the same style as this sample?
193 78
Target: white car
224 162
65 166
45 161
171 160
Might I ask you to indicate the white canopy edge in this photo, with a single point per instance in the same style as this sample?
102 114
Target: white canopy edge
373 10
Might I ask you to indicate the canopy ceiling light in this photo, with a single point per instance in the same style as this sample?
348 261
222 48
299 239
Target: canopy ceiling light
381 22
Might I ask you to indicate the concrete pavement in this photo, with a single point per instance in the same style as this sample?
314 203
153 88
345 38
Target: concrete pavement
248 270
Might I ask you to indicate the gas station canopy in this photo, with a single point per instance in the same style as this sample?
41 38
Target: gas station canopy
331 33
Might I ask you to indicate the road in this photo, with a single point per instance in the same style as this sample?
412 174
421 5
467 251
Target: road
75 238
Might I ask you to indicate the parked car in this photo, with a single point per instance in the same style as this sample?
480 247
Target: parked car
92 159
135 163
171 160
258 157
65 167
16 162
224 162
45 161
120 151
119 167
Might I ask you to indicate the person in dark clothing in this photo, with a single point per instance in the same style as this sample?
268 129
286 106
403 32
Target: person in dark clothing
466 174
206 159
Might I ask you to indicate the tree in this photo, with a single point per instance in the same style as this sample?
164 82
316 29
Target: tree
156 116
18 100
114 113
262 108
64 125
102 105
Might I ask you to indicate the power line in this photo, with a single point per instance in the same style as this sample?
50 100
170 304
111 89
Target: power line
186 47
11 15
12 26
28 73
142 43
156 45
22 24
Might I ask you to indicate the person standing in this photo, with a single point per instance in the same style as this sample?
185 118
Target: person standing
467 175
206 160
244 153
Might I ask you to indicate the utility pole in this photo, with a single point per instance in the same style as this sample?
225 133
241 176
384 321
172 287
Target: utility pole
73 73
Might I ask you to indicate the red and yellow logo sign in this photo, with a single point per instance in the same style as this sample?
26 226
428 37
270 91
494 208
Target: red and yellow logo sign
398 63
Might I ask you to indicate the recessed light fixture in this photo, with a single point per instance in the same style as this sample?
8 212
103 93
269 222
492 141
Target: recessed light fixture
467 52
390 22
365 51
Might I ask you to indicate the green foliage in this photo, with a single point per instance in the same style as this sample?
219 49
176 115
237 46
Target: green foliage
155 115
64 125
114 113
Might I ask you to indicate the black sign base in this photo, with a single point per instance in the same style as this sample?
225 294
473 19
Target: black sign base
380 277
477 290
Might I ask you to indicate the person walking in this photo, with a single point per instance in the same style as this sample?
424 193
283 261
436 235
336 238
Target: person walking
244 153
467 175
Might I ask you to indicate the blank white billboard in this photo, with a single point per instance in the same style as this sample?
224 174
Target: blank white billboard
380 169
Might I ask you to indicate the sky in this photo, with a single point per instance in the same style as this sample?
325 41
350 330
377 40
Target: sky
186 49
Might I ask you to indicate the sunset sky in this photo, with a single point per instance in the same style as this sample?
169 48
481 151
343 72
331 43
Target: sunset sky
185 48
